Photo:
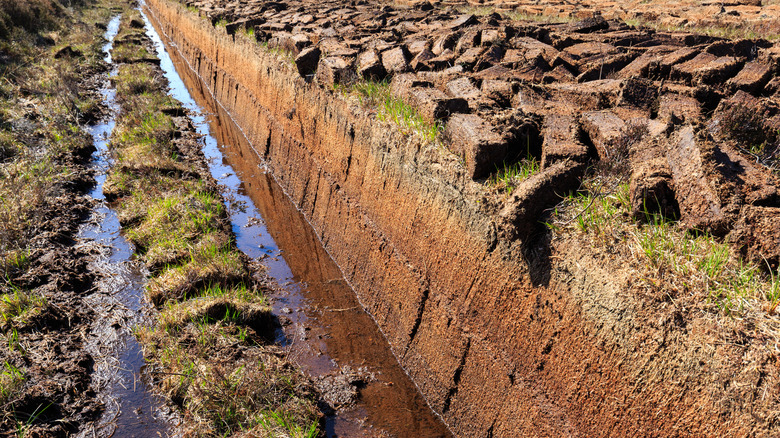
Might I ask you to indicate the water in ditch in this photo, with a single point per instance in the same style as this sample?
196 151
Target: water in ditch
324 326
130 408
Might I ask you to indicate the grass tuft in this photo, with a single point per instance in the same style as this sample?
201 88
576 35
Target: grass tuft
390 108
510 175
667 257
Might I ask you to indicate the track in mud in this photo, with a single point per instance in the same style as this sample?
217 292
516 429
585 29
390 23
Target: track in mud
130 407
325 327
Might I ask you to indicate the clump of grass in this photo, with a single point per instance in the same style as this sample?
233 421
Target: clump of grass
257 394
135 79
11 380
390 108
510 175
669 258
18 306
223 266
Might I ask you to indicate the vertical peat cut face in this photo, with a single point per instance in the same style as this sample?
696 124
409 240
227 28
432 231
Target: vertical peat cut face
504 333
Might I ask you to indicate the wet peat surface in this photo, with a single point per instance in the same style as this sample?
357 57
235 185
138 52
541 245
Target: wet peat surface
328 333
131 409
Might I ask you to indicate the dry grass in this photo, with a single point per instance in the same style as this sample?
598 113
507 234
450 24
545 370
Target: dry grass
767 30
42 112
515 15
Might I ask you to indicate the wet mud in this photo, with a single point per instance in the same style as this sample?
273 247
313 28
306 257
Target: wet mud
131 409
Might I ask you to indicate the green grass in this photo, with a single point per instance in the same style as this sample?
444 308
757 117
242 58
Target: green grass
11 380
509 176
390 108
18 306
746 31
667 257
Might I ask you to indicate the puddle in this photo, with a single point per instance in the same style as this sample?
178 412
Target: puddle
131 409
325 327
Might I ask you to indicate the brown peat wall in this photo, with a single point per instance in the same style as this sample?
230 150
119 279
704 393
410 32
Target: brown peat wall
502 341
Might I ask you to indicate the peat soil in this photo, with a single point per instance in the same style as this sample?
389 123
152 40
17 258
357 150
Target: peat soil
364 392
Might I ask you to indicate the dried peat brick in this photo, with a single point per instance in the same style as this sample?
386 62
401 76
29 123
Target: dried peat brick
306 61
756 236
700 205
752 78
604 128
370 66
335 71
562 140
395 60
433 104
478 142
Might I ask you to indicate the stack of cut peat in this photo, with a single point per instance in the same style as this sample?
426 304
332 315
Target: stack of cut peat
691 107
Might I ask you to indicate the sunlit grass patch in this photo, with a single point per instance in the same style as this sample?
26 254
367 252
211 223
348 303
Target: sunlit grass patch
482 11
237 309
509 176
11 380
135 79
17 306
668 257
390 108
186 214
223 266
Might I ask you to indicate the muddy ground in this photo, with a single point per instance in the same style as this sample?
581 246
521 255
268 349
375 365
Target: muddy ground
47 374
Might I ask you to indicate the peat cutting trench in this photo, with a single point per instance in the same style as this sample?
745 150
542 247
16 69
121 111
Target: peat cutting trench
506 326
395 219
324 327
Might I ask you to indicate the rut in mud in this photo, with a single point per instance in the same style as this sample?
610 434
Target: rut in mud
130 408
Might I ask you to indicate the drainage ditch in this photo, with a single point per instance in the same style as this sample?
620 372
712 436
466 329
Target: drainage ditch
131 408
328 334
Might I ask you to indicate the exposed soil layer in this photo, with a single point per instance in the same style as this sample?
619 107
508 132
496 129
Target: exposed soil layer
457 276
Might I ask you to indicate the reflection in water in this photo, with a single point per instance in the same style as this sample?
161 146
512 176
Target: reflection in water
328 329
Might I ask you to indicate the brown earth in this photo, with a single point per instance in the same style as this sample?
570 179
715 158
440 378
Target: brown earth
504 335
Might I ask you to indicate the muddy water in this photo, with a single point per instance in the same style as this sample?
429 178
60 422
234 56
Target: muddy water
131 410
324 326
